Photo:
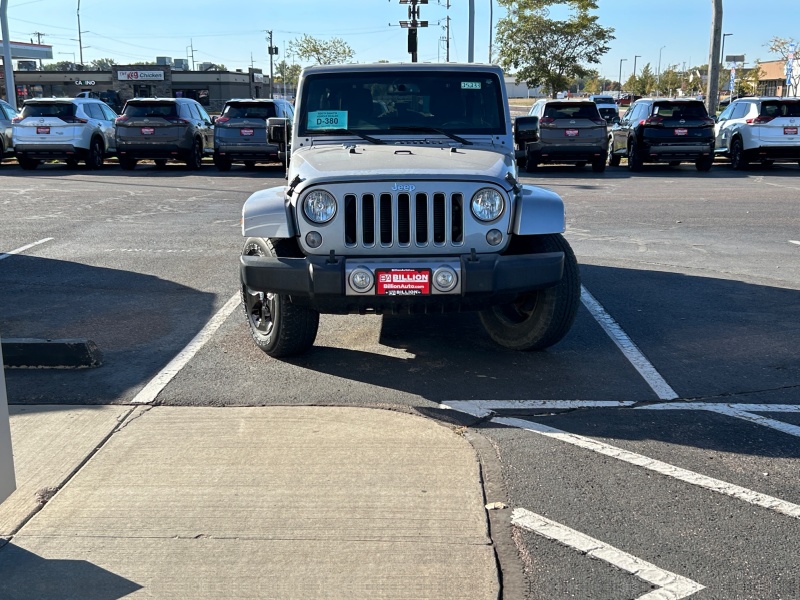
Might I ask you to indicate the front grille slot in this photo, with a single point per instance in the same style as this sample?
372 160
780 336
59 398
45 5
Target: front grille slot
421 219
403 220
368 219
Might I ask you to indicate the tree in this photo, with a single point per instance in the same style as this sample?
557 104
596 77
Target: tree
288 72
62 65
102 64
548 52
332 52
671 81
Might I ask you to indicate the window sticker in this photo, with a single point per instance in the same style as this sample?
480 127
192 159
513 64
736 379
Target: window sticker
470 85
327 119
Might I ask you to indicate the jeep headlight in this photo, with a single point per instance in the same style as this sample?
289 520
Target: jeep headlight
319 206
487 204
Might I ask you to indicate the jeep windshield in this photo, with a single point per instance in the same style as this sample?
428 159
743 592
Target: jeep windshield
447 103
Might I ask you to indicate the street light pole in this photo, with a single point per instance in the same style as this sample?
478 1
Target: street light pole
658 92
621 60
722 52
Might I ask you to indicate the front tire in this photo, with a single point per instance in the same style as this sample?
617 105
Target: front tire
94 159
195 159
599 164
29 164
704 163
541 318
613 159
738 160
277 326
635 162
127 164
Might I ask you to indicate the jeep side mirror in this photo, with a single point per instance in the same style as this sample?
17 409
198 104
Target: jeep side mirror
214 119
526 129
278 130
615 120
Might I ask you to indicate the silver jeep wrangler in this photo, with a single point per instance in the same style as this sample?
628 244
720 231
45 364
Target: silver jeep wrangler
403 196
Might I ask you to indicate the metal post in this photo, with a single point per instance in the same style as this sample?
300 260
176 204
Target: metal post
491 28
619 94
269 48
11 88
7 478
659 71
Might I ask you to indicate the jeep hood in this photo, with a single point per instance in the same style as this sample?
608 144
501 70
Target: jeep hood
392 161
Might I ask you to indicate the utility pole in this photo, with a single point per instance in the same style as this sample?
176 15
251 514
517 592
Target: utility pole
471 49
39 35
412 24
191 46
712 96
491 28
80 40
272 51
447 43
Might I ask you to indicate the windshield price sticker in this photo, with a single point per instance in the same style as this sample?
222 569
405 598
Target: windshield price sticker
403 282
470 85
327 119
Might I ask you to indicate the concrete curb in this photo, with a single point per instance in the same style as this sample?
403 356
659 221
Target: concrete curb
51 354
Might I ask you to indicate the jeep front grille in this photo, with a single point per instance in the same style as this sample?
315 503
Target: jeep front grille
403 220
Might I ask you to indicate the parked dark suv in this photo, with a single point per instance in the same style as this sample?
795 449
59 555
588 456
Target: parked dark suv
562 131
663 130
164 129
240 132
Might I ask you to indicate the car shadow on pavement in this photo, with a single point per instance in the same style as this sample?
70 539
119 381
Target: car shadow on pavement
28 576
712 340
139 322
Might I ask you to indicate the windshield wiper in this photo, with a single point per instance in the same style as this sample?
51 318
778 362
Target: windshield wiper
423 129
363 136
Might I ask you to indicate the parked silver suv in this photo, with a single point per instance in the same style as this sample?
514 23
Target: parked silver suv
69 129
164 129
240 132
562 131
759 129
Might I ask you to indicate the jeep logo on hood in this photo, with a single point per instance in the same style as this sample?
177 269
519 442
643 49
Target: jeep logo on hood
403 187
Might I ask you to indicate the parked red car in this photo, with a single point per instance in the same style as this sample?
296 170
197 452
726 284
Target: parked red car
627 99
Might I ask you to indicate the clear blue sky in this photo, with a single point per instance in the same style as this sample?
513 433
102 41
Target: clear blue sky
230 32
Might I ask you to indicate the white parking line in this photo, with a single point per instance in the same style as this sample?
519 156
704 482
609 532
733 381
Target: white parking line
795 242
671 586
483 408
148 394
23 248
715 485
738 411
629 349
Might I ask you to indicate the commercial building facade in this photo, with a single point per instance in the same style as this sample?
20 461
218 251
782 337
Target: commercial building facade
123 82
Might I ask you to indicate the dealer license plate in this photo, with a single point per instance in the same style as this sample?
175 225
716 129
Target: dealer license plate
246 132
403 282
42 130
572 132
148 131
681 132
790 131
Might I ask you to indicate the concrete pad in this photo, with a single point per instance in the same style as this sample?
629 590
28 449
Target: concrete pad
275 502
49 443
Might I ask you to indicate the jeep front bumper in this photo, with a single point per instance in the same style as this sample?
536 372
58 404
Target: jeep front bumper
324 283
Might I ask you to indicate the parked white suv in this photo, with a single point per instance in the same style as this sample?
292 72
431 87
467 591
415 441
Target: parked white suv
759 129
69 129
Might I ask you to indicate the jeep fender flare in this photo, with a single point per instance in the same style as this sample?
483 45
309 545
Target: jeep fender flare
538 211
268 214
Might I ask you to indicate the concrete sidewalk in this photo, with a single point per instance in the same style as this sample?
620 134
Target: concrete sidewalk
230 503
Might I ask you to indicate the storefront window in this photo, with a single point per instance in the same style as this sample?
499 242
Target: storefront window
200 95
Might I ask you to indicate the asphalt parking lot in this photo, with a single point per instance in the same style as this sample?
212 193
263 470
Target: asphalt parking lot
655 448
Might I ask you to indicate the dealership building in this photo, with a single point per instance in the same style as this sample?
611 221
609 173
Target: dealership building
123 82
